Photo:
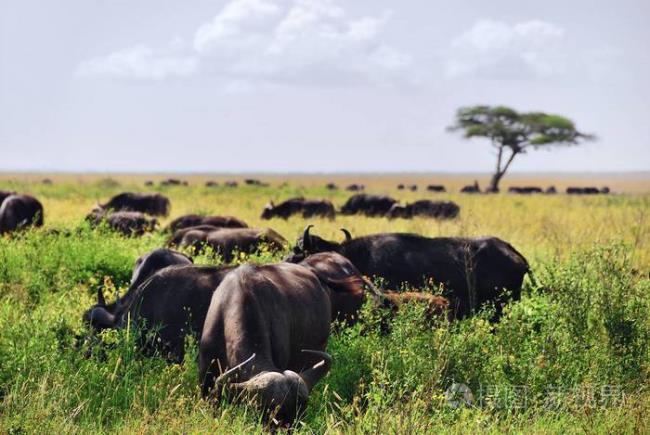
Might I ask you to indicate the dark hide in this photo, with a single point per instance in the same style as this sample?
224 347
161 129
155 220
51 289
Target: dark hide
369 205
266 316
307 208
425 208
154 204
193 220
129 223
20 211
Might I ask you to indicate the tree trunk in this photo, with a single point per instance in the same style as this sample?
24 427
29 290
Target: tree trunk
494 182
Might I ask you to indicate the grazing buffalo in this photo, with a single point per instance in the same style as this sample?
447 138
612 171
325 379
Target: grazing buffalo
269 326
47 181
226 241
255 182
307 208
355 187
165 308
151 262
230 184
129 223
400 186
413 187
331 186
20 211
550 190
525 190
474 271
436 188
211 184
154 204
425 208
471 188
584 190
193 220
148 183
369 205
173 182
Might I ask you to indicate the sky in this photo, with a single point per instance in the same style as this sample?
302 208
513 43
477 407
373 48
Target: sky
315 85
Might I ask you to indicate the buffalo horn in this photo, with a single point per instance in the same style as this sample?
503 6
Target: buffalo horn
306 238
233 371
348 236
100 296
314 374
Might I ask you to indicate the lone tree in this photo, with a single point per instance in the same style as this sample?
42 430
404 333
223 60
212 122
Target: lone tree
513 133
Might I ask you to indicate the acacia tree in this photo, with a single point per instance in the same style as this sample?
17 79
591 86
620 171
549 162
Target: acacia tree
512 133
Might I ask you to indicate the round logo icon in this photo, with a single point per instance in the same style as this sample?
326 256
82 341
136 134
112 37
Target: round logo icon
459 394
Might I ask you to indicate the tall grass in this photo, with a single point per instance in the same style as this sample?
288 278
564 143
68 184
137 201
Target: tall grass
573 355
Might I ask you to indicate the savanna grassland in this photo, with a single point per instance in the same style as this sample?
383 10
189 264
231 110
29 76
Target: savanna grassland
572 356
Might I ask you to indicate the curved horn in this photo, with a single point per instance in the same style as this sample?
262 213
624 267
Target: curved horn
100 296
348 236
377 295
306 238
314 374
228 374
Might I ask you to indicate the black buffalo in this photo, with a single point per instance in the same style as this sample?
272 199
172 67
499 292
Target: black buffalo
193 220
20 211
154 204
165 308
5 194
331 186
129 223
436 188
151 262
227 241
474 271
425 208
525 190
550 190
369 205
173 182
355 187
211 183
585 190
265 324
471 188
307 208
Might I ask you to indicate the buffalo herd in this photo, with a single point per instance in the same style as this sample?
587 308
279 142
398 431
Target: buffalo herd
262 329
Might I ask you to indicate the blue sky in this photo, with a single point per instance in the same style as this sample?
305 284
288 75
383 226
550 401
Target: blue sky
314 85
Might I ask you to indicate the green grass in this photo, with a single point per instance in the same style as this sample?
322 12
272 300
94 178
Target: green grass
572 356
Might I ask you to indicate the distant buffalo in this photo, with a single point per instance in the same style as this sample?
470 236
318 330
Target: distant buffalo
148 183
471 188
586 190
255 182
154 204
47 181
211 184
525 190
436 188
193 220
400 186
173 182
425 208
369 205
163 309
128 223
550 190
413 187
230 184
19 211
355 187
307 208
474 271
226 241
331 186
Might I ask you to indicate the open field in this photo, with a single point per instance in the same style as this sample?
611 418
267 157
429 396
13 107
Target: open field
571 356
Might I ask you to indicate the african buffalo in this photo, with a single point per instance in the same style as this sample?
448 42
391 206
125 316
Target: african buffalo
525 190
355 187
5 194
267 323
151 203
193 220
225 241
168 306
471 188
426 208
230 184
413 187
173 182
255 182
151 262
583 190
369 205
400 186
331 186
474 271
550 190
129 223
436 188
307 208
211 183
20 211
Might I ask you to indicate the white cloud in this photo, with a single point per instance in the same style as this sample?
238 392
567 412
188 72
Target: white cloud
501 50
142 63
251 42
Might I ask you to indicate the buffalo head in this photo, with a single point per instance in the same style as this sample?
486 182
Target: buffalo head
102 316
268 211
281 395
